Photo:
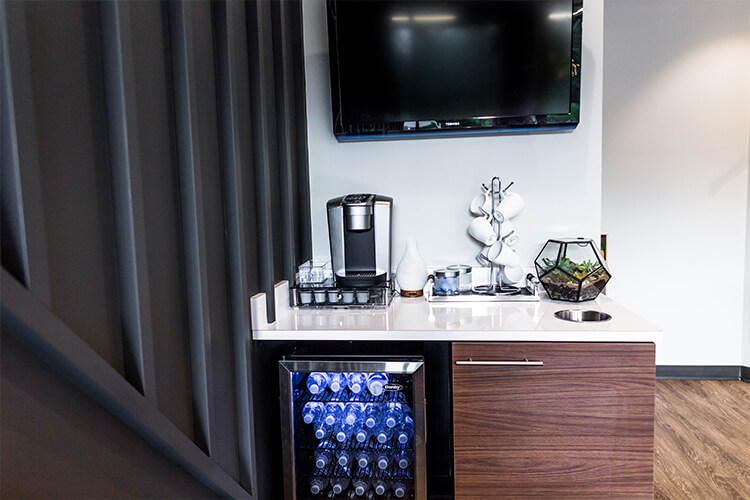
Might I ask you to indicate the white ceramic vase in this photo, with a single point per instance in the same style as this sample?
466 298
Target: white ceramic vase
411 274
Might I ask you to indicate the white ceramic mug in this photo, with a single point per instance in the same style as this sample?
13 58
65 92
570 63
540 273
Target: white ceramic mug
511 275
502 254
481 204
511 206
481 230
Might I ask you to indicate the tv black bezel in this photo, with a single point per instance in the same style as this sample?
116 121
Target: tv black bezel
456 126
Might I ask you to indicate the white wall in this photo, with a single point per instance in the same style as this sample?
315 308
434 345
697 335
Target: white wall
675 170
433 180
746 329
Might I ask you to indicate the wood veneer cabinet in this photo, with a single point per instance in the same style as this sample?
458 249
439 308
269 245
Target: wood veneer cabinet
581 424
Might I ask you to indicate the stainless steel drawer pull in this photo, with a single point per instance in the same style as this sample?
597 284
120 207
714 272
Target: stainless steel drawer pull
523 362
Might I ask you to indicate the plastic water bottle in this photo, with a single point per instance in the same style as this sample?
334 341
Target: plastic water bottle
344 457
383 434
322 430
380 486
312 412
383 460
361 485
353 413
323 458
362 434
393 414
334 413
318 484
399 489
339 484
337 381
403 459
405 430
316 382
357 382
373 415
343 431
375 383
364 458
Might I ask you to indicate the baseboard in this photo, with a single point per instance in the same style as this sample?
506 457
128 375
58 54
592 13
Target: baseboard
690 372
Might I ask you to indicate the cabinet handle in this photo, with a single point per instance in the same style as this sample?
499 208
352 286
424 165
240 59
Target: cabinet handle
523 362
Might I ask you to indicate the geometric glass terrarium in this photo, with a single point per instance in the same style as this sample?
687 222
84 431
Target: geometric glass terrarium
572 269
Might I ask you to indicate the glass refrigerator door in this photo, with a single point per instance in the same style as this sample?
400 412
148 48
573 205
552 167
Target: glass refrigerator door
353 429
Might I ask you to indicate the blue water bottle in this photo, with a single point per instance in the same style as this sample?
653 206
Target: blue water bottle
343 431
353 413
405 430
380 486
334 413
373 415
383 434
337 381
393 415
357 382
318 484
399 489
312 412
403 459
316 382
364 458
322 430
340 484
375 383
323 458
383 460
362 433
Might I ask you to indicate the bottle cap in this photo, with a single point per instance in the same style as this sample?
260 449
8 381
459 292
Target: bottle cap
361 436
382 438
403 463
315 489
390 422
370 422
341 436
335 386
320 434
380 489
356 388
337 488
362 462
403 438
314 388
308 418
320 463
382 463
359 490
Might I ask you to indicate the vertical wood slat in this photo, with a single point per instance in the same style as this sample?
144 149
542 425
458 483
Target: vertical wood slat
285 132
192 220
229 28
21 158
304 221
261 67
124 152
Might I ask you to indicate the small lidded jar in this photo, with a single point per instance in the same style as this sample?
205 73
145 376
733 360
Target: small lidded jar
464 276
446 282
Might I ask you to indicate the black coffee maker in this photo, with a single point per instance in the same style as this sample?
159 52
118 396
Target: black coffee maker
359 229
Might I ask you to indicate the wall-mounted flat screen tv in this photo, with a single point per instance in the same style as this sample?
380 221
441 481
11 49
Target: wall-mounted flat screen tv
420 68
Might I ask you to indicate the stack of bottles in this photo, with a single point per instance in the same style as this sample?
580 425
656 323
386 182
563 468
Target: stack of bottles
363 437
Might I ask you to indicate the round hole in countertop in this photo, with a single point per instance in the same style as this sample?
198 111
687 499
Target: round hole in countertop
582 316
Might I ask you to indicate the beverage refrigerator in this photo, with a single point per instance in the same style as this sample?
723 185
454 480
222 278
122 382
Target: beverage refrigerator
353 427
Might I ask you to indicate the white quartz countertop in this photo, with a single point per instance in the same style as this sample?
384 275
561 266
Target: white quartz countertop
419 320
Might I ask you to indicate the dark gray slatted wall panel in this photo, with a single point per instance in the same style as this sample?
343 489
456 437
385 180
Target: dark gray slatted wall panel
231 43
127 182
299 149
22 210
71 130
154 177
260 54
161 199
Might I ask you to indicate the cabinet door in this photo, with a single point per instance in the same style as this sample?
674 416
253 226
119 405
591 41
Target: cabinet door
578 422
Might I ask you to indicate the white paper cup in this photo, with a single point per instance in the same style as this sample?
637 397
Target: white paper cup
481 230
511 206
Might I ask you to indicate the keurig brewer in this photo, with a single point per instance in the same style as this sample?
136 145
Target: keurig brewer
359 229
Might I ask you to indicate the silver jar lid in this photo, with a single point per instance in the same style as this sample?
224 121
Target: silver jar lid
446 273
461 268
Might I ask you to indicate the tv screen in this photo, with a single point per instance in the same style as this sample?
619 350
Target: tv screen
401 68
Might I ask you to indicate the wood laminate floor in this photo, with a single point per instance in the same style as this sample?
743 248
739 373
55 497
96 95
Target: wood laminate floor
702 440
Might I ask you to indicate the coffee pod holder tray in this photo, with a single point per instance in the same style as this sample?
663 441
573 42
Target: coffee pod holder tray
316 288
527 293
